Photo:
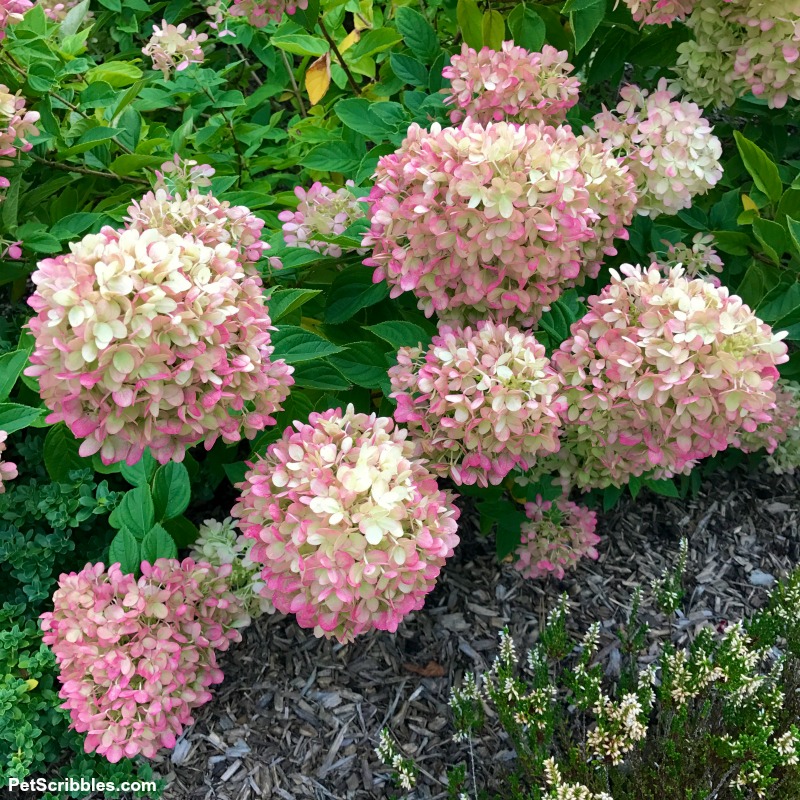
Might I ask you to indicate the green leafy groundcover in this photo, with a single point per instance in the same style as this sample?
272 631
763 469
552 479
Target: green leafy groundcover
317 95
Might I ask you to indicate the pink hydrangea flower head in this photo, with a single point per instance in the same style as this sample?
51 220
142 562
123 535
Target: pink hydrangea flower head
484 221
171 50
136 657
321 211
555 538
669 147
660 12
16 124
11 12
8 470
698 261
258 13
205 218
478 402
660 372
351 528
780 436
768 56
221 543
511 84
152 340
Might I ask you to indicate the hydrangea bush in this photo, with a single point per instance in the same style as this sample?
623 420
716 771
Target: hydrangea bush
284 281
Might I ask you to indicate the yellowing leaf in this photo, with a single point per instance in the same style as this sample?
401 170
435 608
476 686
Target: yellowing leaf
349 40
748 204
31 683
318 78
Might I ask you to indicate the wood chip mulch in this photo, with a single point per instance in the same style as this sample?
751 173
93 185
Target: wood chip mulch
299 717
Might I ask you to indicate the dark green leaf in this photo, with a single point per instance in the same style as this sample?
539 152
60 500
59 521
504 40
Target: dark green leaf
135 512
409 69
399 333
11 366
363 363
141 473
527 28
283 301
470 23
14 417
761 167
295 345
61 453
157 543
124 550
352 290
171 491
418 34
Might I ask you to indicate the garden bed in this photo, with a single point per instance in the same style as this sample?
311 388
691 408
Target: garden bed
298 717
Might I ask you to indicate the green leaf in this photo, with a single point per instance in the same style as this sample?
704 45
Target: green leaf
14 417
157 543
794 231
663 486
761 167
60 453
399 333
320 375
493 29
357 114
611 495
352 290
363 363
470 22
300 44
333 157
585 19
418 34
283 301
295 345
527 28
114 73
11 366
172 491
183 531
782 311
375 41
409 69
124 550
772 237
75 225
141 473
135 512
732 243
130 163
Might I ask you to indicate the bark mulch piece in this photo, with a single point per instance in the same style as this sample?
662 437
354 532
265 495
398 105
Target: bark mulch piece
299 717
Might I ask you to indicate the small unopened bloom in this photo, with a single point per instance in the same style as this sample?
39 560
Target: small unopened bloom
555 538
351 529
511 84
479 401
697 261
257 13
57 11
171 50
660 12
8 470
321 210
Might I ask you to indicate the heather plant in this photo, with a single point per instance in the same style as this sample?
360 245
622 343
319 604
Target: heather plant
716 719
282 279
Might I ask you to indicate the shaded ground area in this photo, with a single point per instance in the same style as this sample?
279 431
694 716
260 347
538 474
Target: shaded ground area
298 717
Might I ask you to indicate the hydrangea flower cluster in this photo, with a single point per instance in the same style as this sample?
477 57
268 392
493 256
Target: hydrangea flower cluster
16 124
257 13
780 437
478 402
555 538
11 12
697 261
741 46
181 175
8 470
152 340
205 218
137 656
511 84
668 145
221 543
173 51
660 372
492 221
660 12
352 530
321 211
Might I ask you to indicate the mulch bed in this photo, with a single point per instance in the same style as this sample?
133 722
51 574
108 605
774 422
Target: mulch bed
298 717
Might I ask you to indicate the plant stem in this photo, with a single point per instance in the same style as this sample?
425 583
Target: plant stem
295 87
350 79
236 145
87 171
